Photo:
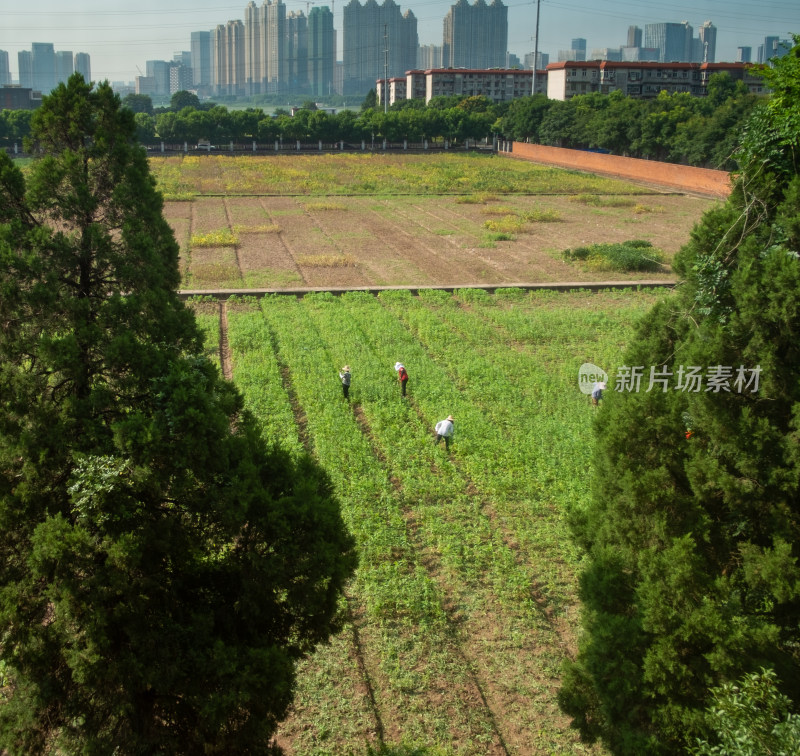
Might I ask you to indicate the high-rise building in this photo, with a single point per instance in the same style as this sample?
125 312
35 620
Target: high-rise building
542 60
43 58
25 64
254 48
201 58
228 58
180 78
744 54
64 66
639 54
158 70
674 41
274 21
634 36
275 48
708 42
378 41
429 56
83 65
567 55
579 46
296 52
321 51
606 53
773 47
5 71
475 36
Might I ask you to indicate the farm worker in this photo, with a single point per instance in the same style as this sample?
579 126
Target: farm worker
402 376
444 430
345 377
597 392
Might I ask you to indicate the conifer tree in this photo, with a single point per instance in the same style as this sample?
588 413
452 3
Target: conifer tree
693 531
161 568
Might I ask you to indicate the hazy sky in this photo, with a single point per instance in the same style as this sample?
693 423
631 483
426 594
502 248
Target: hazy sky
120 39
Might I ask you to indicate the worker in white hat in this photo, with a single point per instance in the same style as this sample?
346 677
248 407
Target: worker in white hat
444 430
344 375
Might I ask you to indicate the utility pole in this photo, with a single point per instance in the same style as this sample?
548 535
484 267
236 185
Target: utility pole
385 69
535 49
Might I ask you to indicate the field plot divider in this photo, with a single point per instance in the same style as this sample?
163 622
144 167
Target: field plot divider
405 633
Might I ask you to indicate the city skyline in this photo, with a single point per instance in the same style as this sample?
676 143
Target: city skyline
121 40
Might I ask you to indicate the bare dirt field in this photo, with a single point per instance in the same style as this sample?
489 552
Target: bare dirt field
382 240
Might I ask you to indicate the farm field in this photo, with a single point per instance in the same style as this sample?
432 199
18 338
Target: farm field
392 220
464 603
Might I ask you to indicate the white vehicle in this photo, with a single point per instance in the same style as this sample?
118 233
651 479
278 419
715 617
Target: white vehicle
204 145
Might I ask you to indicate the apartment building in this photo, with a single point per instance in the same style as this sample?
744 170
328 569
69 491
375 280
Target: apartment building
498 84
643 80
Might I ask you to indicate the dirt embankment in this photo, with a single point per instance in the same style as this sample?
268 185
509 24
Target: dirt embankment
682 177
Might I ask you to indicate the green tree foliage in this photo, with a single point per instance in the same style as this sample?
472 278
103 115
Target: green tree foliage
161 569
184 99
15 126
677 128
138 103
523 118
145 128
751 718
692 576
370 101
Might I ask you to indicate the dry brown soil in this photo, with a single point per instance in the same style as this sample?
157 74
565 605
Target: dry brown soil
290 242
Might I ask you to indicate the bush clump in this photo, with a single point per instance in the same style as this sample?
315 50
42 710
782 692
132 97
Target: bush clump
631 256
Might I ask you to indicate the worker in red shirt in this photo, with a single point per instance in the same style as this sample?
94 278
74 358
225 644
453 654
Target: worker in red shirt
402 376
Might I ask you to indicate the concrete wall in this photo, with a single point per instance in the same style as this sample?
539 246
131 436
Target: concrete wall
679 177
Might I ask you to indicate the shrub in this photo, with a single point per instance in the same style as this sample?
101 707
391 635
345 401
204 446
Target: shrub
635 255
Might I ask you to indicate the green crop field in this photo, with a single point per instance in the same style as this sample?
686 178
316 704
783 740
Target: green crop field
465 601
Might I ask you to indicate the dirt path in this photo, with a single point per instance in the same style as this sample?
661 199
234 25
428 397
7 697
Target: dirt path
225 357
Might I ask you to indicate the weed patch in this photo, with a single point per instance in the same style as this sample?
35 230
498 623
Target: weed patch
268 228
541 216
499 210
222 238
630 256
327 261
598 200
508 224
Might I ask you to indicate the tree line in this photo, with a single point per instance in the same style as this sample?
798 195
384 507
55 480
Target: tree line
677 128
691 582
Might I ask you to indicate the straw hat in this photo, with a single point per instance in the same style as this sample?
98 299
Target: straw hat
450 418
346 368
